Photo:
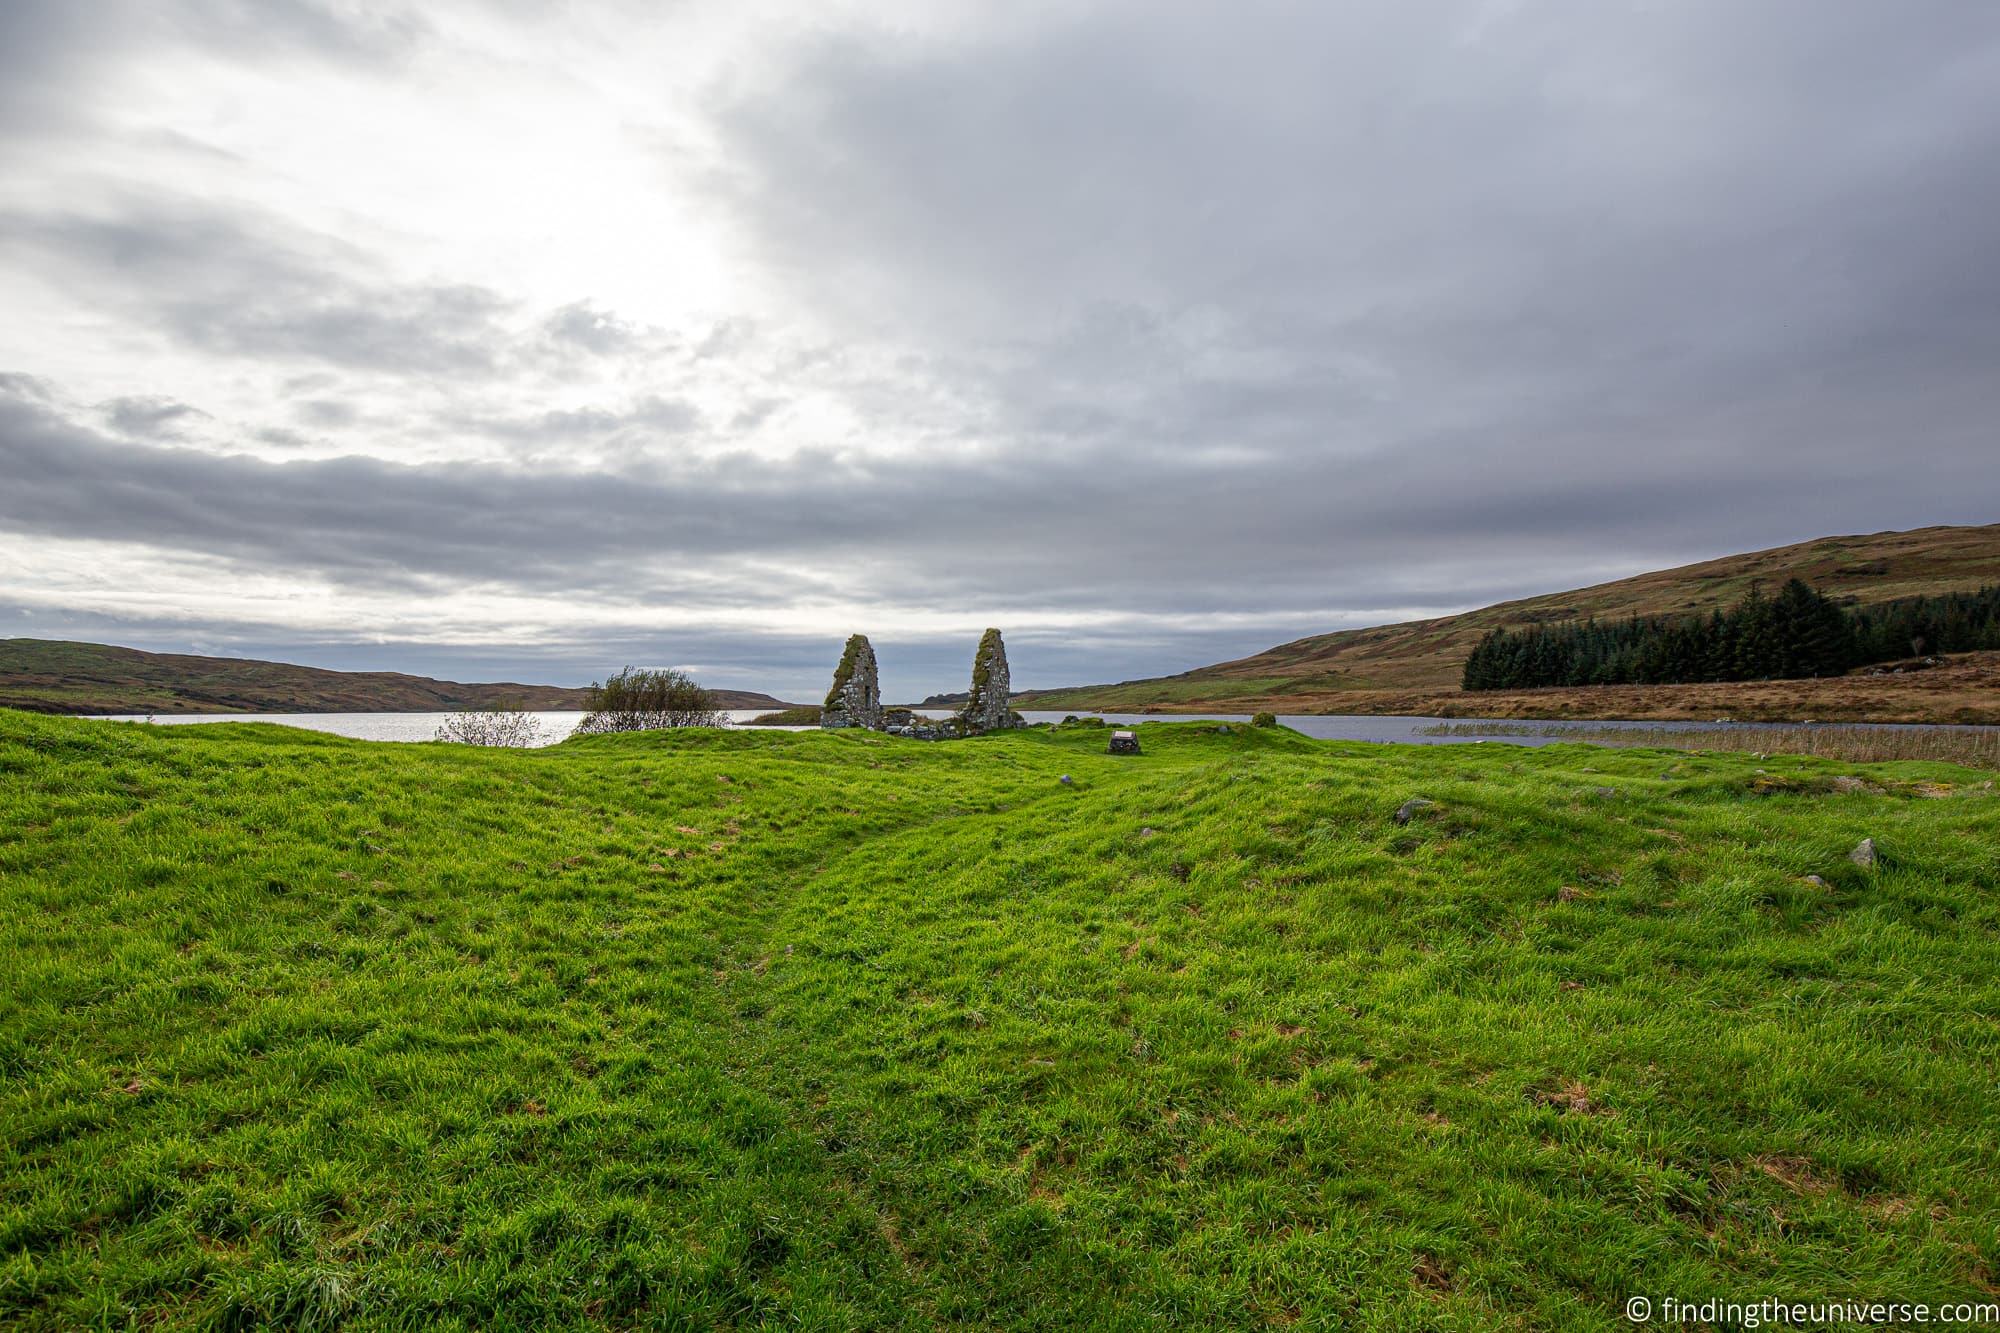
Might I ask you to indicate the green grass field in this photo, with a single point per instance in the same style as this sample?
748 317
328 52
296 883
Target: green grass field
726 1029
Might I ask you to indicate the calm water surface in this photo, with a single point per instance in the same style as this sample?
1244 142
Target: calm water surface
1347 727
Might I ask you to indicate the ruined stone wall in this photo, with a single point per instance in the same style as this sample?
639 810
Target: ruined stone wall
856 697
986 709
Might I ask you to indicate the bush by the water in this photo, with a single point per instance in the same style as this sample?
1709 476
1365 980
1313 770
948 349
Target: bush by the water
1799 633
506 727
649 700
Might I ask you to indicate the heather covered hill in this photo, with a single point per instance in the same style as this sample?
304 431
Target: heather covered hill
1416 665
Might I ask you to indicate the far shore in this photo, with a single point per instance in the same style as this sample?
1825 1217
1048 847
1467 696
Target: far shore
1964 690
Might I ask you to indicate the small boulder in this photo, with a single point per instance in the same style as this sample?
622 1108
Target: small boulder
1413 807
1065 780
1864 854
1123 742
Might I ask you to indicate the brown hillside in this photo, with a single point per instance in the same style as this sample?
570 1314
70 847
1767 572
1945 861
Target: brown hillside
1339 672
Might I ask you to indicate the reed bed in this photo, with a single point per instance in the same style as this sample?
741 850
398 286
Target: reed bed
1974 747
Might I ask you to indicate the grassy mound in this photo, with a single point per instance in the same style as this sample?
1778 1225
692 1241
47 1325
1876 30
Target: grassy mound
834 1030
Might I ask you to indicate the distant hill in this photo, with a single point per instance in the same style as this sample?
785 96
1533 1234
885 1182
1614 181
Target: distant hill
1414 666
54 676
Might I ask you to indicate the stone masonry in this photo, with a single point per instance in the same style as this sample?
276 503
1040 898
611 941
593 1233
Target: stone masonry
856 697
986 708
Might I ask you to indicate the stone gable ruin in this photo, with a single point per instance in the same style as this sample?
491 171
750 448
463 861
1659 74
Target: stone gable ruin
856 697
986 707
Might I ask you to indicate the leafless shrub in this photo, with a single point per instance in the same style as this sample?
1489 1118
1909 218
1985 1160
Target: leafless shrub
507 727
646 700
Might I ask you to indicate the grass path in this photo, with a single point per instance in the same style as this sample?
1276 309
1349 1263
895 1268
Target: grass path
742 1030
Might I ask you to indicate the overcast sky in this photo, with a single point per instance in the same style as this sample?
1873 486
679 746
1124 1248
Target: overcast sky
512 340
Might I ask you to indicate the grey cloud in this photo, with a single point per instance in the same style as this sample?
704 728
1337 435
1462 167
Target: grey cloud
279 437
61 61
41 46
14 384
594 330
448 330
56 37
244 285
258 29
648 416
147 415
327 412
1176 538
1168 313
755 414
1348 230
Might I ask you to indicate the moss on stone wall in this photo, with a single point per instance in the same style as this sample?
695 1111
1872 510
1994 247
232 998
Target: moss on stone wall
982 672
845 671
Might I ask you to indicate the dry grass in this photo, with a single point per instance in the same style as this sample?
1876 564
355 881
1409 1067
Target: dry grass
1973 747
1965 691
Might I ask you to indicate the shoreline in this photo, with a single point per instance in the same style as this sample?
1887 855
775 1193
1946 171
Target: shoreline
1963 691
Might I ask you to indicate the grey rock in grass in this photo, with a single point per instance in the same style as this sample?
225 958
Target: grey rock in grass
1123 742
1864 854
1413 807
856 697
1065 780
1816 881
